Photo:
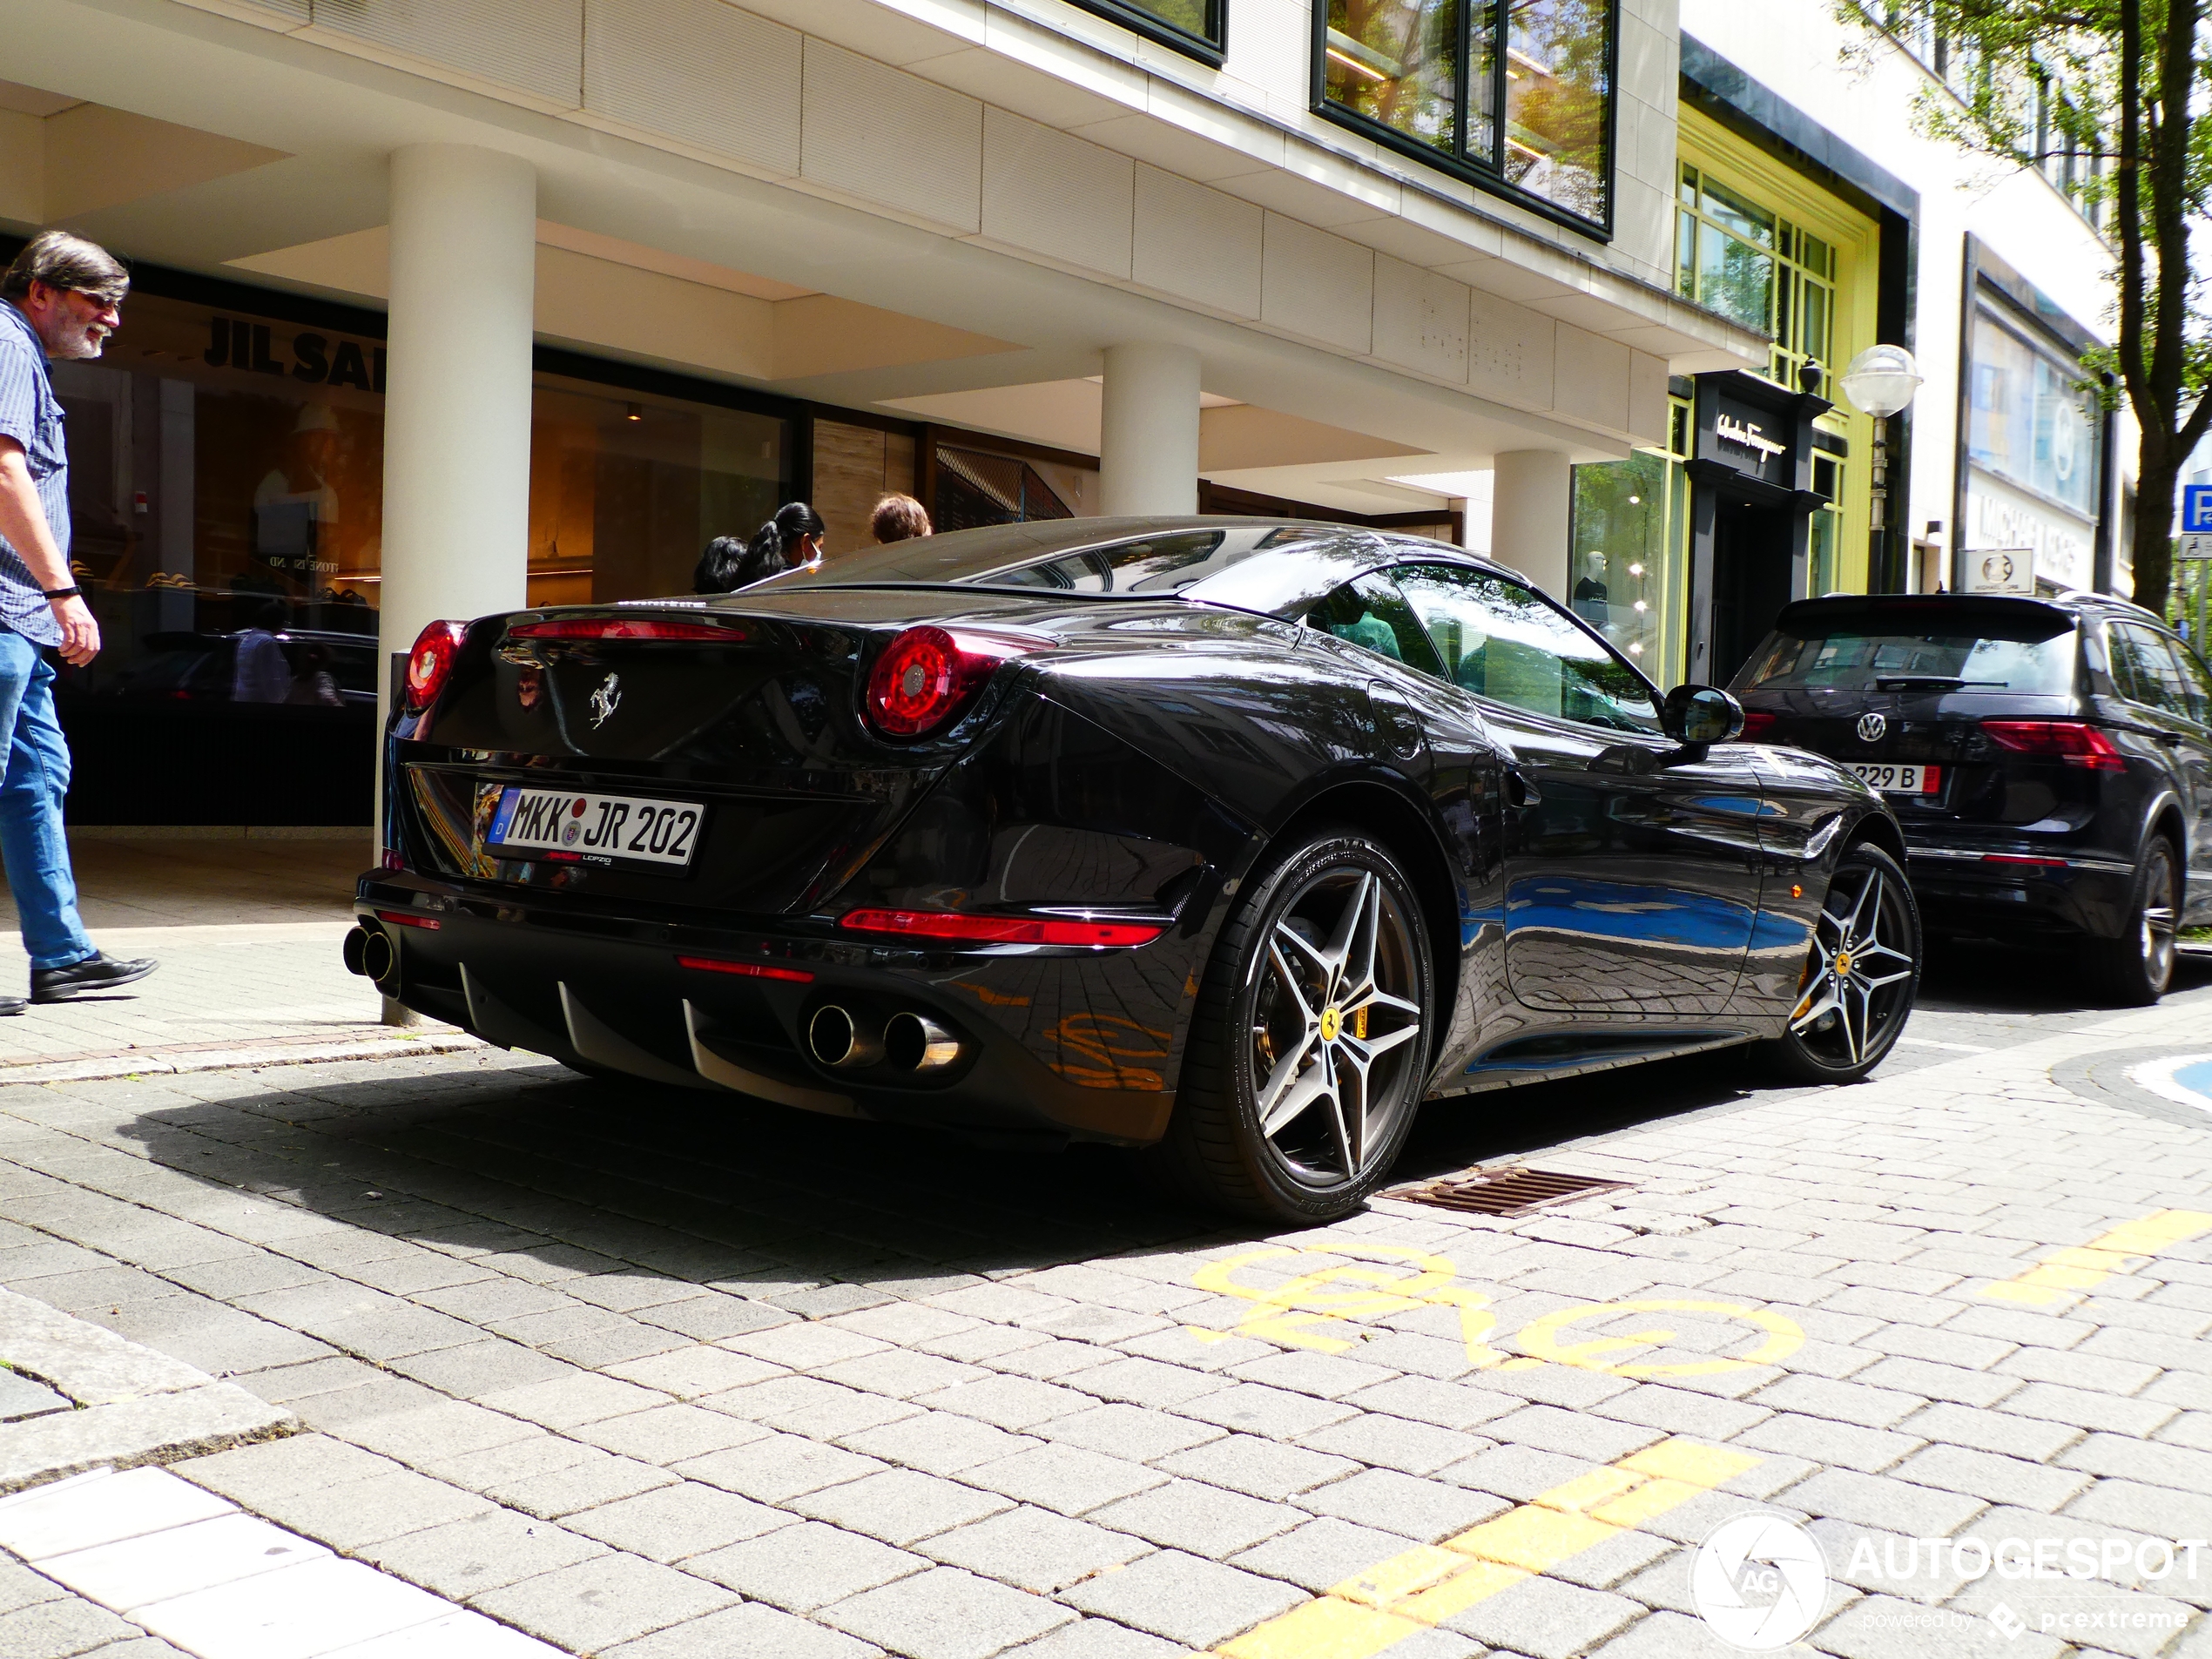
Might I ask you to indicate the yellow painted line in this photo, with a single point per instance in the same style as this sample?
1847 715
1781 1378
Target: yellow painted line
1428 1584
2064 1275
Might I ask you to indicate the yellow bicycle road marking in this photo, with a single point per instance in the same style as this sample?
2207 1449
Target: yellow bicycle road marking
1540 1337
1310 1309
1430 1583
2064 1275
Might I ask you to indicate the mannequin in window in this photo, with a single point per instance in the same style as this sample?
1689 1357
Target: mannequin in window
1590 595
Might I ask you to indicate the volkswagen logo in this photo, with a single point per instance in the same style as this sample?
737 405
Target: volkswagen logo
1871 726
609 693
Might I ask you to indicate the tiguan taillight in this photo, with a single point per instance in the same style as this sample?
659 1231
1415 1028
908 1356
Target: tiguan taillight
2076 742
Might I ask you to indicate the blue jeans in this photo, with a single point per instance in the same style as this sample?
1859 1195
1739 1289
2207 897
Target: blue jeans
31 838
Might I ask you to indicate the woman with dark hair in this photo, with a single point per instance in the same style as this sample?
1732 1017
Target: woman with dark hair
792 538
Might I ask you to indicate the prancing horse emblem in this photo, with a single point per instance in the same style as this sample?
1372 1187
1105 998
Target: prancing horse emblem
609 693
1871 726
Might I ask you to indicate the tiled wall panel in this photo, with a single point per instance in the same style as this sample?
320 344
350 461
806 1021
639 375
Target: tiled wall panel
1420 319
534 45
1317 285
699 71
892 137
1055 195
1196 244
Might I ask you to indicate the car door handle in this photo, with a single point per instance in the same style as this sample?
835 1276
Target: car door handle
1519 791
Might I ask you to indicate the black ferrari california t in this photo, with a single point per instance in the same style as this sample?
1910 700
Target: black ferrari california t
1228 840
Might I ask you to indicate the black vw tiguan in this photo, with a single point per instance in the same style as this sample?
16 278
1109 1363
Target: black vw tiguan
2050 760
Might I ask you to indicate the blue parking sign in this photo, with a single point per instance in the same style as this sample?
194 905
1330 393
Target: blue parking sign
2196 508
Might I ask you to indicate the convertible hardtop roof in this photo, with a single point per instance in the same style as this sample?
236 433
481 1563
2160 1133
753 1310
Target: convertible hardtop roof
1216 562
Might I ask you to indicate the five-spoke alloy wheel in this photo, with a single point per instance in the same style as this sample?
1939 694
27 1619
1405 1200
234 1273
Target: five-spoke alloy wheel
1862 972
2137 967
1311 1042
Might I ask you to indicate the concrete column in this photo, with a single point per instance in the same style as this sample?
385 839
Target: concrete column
457 399
1147 442
1530 498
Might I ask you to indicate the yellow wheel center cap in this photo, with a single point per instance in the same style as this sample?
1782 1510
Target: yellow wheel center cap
1332 1023
1843 964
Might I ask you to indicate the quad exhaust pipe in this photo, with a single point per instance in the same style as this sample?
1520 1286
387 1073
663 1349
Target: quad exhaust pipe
908 1042
838 1039
368 951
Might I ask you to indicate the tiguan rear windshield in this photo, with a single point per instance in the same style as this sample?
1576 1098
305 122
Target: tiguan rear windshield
1933 645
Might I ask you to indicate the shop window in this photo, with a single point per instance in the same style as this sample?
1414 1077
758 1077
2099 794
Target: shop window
974 487
626 489
1192 26
227 495
1433 78
2027 420
1629 572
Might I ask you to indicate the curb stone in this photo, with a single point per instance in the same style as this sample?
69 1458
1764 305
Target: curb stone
132 1406
228 1056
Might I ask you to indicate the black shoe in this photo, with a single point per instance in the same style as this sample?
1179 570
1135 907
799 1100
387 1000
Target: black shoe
95 973
11 1005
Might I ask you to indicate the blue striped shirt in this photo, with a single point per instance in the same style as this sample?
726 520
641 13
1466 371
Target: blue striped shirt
31 415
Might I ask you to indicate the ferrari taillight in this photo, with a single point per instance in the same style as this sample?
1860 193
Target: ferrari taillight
2076 742
431 662
927 674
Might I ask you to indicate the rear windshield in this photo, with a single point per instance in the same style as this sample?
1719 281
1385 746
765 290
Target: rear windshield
2030 655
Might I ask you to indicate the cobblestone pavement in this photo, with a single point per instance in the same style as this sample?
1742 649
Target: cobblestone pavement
665 1376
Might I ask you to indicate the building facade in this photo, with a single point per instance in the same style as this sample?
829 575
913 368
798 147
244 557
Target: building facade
1812 209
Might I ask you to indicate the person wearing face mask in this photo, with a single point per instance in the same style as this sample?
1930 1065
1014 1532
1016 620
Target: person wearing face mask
60 299
791 540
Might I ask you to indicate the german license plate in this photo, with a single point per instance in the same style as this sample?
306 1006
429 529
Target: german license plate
561 824
1899 780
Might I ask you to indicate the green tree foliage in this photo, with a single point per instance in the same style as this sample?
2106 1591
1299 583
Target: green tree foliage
2124 83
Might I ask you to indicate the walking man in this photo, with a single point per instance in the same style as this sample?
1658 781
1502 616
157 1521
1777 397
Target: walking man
61 298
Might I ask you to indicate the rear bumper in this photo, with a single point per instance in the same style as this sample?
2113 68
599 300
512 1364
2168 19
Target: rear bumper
1055 1043
1997 890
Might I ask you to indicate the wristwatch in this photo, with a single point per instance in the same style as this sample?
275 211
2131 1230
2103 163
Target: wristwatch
61 593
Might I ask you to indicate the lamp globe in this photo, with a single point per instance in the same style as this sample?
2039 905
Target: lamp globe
1881 381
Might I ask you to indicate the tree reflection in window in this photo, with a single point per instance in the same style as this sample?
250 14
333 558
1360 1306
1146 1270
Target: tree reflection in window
1429 73
1398 62
1559 84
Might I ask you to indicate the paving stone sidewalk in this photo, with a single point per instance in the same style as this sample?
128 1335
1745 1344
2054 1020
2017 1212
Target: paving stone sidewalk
659 1377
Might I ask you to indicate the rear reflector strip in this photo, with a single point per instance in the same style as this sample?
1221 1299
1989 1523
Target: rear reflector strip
746 970
1000 930
401 917
626 628
2022 858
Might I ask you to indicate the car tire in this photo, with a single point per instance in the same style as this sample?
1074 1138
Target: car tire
1862 973
1309 1044
2134 969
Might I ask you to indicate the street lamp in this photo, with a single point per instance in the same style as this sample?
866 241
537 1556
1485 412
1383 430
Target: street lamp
1880 382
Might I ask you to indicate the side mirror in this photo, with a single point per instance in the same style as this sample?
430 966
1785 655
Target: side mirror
1700 714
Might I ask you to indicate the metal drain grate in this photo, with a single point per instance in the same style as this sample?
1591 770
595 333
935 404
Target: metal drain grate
1505 1193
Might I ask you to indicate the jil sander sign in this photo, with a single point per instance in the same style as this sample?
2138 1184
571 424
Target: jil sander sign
317 359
